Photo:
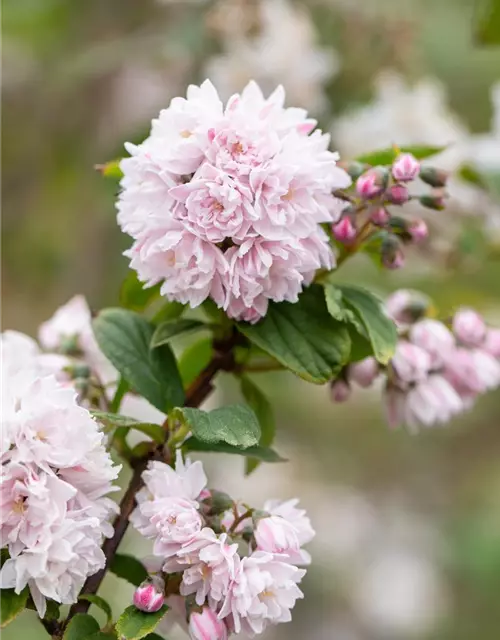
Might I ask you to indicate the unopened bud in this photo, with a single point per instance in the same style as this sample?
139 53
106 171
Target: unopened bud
219 502
344 231
435 202
398 194
405 167
354 169
339 391
418 230
205 625
79 370
392 254
469 327
149 596
433 177
69 346
364 372
380 216
372 182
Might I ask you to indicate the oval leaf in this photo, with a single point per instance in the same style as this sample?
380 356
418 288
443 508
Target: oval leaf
124 337
11 605
303 337
264 412
114 420
258 452
128 568
194 359
380 329
134 295
80 627
98 602
171 328
387 156
235 424
134 624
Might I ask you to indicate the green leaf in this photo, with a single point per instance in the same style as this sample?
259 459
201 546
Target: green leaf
234 424
338 309
102 635
264 454
124 337
11 605
114 420
387 156
171 310
487 29
128 568
171 328
153 636
492 181
98 602
380 329
134 624
470 174
303 336
265 415
194 359
80 627
110 169
134 296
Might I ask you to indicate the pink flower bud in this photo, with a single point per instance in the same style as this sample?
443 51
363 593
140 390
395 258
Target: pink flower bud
339 391
344 231
398 194
435 338
370 184
410 363
380 216
364 372
405 167
276 535
418 230
469 327
206 626
149 595
492 342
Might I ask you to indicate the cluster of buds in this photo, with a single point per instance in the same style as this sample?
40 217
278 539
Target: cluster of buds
369 212
438 369
234 568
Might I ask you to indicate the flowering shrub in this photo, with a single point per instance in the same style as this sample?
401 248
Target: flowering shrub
239 216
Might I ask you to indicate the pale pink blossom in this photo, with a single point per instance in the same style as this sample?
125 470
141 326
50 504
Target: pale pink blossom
472 372
410 362
149 596
398 194
492 342
227 202
418 230
276 535
469 327
289 511
435 338
405 306
206 626
19 352
344 231
364 372
368 185
340 391
405 167
263 592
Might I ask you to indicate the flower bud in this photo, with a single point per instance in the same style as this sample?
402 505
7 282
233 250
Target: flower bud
206 626
339 391
372 182
492 342
149 596
410 362
405 167
469 327
344 231
435 338
392 254
80 370
433 201
380 216
433 177
354 169
219 502
398 194
418 230
363 372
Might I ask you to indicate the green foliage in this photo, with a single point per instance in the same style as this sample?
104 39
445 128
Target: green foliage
110 169
234 424
114 420
11 605
128 568
303 337
171 328
265 415
258 452
487 29
171 310
98 602
194 359
133 294
387 156
124 337
102 635
81 627
134 624
365 311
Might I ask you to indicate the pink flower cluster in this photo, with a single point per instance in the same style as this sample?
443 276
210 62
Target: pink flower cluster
227 202
233 590
56 474
436 372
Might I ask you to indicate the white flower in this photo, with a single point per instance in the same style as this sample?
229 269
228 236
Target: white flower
410 362
21 353
299 520
435 338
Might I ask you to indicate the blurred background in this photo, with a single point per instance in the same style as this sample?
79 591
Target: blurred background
408 543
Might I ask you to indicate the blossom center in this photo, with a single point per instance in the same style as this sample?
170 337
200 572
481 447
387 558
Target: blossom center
186 134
